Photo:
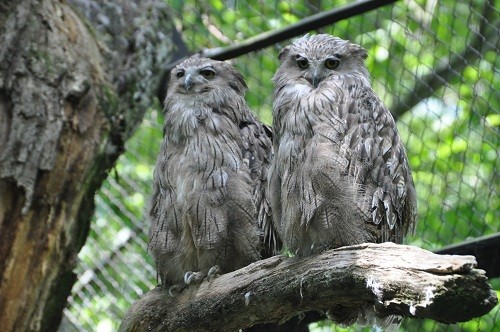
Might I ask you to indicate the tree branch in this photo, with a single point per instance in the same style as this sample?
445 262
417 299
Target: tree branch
395 279
486 249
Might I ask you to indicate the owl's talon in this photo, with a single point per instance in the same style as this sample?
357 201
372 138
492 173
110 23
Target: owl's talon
213 272
187 277
193 277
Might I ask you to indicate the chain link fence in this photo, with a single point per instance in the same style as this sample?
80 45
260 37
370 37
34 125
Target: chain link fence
435 65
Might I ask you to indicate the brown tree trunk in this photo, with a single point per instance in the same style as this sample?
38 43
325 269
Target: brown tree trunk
71 93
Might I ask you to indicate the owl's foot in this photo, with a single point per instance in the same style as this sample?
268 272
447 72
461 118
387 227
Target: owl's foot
213 272
197 277
194 277
176 289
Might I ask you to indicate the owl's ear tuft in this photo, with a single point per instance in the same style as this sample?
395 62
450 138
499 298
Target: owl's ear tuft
239 85
359 51
284 53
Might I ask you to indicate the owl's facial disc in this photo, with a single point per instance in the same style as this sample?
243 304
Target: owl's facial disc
194 79
315 70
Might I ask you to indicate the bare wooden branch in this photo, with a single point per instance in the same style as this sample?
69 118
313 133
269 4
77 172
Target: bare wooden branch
395 279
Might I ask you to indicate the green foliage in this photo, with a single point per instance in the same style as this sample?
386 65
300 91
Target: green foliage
115 268
452 137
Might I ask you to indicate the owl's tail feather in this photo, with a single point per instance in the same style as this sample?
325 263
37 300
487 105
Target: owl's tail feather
368 317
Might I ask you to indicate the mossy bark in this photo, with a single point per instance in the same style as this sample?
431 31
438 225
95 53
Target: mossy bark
71 92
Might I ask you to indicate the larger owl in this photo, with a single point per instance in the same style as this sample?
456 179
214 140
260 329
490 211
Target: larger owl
340 175
210 175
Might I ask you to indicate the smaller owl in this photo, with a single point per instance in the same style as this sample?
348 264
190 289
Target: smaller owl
210 176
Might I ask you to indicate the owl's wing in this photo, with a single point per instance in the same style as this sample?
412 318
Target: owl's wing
257 153
379 167
165 228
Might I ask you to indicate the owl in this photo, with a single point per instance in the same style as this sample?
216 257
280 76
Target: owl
210 176
340 175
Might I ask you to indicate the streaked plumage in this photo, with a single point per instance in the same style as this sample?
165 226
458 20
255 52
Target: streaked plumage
210 175
340 174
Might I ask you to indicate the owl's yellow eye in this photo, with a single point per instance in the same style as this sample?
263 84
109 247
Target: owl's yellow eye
303 63
207 72
332 63
180 73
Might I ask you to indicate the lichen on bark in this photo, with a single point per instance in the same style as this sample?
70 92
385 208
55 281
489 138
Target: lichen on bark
65 115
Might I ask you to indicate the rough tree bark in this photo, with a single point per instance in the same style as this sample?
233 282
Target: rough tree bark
71 92
395 279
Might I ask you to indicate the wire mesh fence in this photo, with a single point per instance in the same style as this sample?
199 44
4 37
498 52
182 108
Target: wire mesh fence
435 65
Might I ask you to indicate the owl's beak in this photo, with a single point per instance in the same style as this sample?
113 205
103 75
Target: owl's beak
188 82
316 79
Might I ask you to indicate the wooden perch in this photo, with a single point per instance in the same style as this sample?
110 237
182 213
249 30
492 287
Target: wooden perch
395 279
